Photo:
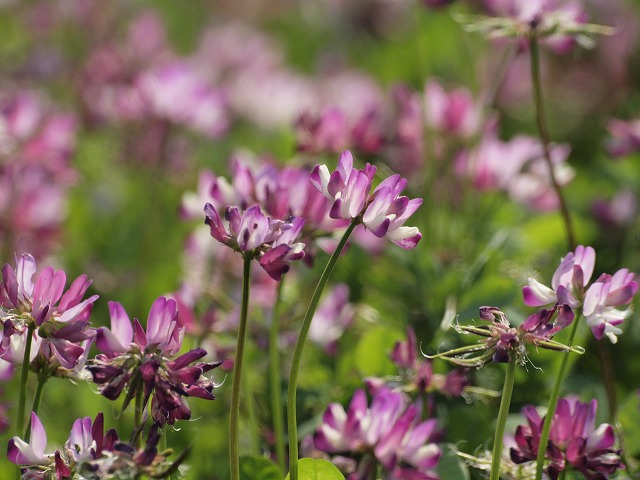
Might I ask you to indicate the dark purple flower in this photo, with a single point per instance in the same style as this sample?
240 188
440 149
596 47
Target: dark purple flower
573 440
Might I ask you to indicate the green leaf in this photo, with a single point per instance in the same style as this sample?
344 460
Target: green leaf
312 469
258 468
629 418
451 465
372 352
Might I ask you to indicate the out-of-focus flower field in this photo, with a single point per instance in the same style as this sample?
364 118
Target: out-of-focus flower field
195 165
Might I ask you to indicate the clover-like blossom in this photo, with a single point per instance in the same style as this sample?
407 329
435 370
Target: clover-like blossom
602 298
389 432
505 343
251 232
574 440
347 187
568 282
59 318
142 362
90 453
383 212
570 285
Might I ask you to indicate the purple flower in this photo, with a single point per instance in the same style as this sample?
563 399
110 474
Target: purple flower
625 137
333 316
251 232
454 113
573 440
347 187
505 343
32 453
601 298
383 212
606 293
389 430
388 211
60 319
133 359
568 282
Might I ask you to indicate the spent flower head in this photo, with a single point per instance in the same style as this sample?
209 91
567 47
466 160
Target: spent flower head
505 343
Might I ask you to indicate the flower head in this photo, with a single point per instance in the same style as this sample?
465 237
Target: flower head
505 343
389 430
142 362
251 232
574 440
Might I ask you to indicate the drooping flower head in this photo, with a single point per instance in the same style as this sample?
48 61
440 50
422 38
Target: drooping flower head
251 232
143 362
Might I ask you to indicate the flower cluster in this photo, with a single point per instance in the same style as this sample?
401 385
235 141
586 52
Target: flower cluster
89 453
505 343
389 433
251 232
143 363
383 212
598 301
36 304
574 441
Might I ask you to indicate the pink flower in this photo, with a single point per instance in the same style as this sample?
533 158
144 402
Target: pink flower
30 454
568 283
251 232
602 298
453 112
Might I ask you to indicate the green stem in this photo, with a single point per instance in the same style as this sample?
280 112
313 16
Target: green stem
297 354
251 413
502 419
544 137
553 401
234 456
42 379
23 379
563 474
274 376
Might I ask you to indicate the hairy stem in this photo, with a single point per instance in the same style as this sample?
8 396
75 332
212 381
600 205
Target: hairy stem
544 137
234 456
297 354
503 413
274 377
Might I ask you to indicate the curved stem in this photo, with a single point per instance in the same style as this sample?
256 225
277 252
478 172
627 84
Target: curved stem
234 456
553 401
274 376
297 354
502 419
23 379
544 137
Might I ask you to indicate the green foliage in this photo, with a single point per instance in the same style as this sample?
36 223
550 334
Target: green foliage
317 469
258 468
451 465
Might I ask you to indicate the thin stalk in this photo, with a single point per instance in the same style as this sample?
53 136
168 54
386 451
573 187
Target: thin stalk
553 402
234 456
138 410
274 377
502 419
23 379
297 354
544 137
563 474
42 379
251 414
